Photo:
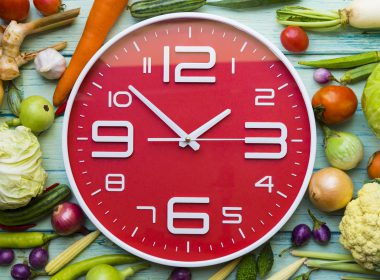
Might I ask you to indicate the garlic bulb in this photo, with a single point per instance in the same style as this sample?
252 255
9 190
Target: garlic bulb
50 64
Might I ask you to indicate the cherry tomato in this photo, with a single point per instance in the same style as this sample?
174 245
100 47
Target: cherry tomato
294 39
374 166
334 104
17 10
48 7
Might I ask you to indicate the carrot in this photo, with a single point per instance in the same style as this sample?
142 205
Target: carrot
102 17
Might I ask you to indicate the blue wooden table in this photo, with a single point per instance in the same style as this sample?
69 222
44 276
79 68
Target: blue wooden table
261 19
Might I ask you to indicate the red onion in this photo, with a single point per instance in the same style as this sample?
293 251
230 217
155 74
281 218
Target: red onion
67 218
322 76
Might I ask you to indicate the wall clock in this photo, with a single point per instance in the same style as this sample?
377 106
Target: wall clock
189 139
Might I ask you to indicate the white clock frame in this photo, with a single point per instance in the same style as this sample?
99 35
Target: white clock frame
279 55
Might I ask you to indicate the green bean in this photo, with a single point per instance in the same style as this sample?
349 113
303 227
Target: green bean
350 61
76 270
21 240
358 74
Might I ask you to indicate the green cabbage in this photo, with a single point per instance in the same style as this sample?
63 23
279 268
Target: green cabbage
371 101
21 174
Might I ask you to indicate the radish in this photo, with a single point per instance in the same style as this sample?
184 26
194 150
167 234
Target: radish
361 14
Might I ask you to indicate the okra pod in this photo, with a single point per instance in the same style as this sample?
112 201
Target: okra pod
350 61
358 74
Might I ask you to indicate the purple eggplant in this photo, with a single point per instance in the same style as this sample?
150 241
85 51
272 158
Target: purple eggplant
180 273
301 235
321 232
6 257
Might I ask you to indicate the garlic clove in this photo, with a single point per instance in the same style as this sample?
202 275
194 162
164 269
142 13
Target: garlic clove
50 64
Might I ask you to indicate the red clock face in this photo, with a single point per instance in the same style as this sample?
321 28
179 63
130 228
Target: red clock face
188 140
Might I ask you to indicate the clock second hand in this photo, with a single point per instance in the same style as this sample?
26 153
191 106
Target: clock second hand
197 139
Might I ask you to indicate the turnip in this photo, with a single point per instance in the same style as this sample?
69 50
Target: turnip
361 14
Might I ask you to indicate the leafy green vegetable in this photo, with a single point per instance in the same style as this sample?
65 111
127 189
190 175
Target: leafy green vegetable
265 260
21 174
371 101
247 269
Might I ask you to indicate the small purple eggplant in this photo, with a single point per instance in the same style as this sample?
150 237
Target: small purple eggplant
321 232
301 235
180 273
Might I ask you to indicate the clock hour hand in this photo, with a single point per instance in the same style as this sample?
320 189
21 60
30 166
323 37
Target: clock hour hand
169 122
207 126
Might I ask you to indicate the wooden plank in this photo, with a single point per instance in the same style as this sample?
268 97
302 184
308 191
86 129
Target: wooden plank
260 18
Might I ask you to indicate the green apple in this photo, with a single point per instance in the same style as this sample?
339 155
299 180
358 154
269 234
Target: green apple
37 113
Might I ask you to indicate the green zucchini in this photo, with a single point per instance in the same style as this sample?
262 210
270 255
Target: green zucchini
150 8
38 208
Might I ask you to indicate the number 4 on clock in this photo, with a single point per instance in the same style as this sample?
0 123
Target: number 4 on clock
265 182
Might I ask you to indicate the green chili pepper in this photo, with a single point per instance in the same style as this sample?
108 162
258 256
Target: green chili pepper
76 270
358 74
350 61
21 240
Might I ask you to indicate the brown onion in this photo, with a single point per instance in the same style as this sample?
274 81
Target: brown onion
330 189
67 218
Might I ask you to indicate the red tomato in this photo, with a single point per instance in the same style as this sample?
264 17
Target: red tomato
374 166
334 104
17 10
48 7
294 39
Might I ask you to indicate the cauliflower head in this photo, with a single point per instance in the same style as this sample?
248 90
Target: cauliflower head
360 227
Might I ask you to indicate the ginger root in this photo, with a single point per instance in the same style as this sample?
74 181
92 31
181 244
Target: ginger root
12 37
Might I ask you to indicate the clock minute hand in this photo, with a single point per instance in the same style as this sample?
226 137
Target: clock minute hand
207 126
170 123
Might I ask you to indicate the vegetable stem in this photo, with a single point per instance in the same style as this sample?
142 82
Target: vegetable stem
49 237
310 18
317 223
132 270
49 20
322 255
326 131
339 266
53 26
25 57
